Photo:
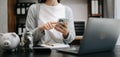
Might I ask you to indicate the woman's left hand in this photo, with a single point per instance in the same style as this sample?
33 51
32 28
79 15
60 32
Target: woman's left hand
63 29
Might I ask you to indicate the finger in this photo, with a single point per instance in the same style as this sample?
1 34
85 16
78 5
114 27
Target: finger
46 27
50 25
65 25
62 25
59 29
53 22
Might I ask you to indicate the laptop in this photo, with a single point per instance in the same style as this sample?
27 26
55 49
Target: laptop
100 35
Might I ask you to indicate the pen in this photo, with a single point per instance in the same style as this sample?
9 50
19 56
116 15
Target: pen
50 44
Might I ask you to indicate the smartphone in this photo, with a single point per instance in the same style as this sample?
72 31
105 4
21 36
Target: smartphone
62 21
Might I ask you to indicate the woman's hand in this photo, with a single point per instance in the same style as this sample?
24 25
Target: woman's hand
47 26
63 29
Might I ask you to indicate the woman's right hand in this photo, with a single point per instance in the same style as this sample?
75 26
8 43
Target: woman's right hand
47 26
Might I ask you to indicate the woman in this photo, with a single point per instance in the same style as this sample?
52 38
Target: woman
42 22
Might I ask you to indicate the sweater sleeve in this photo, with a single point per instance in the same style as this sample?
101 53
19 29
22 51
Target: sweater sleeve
31 23
71 36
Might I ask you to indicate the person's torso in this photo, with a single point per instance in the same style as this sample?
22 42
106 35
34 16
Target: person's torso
51 13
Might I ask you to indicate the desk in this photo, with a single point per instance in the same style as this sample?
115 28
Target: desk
54 53
77 40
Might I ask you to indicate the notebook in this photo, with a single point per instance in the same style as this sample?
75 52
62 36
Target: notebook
46 48
51 46
55 46
100 35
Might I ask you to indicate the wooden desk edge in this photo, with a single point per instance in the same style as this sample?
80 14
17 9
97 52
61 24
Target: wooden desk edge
78 37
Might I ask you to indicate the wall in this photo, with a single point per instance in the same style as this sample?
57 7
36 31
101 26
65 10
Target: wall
79 7
109 8
3 16
117 9
117 15
28 1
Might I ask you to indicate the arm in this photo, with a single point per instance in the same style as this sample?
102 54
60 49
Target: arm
31 23
71 28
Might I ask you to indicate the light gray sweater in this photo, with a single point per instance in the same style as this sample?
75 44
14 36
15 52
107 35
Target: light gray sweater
32 25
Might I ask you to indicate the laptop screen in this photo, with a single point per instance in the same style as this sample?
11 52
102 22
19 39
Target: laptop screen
100 34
